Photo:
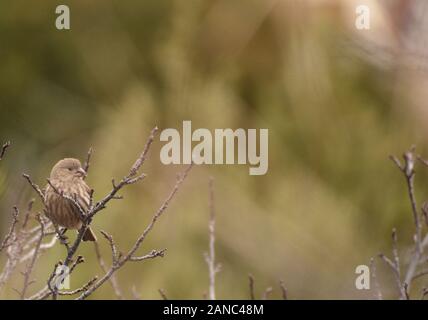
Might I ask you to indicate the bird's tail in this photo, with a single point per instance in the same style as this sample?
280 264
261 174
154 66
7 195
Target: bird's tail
89 235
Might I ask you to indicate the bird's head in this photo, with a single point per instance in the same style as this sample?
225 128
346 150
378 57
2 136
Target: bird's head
67 169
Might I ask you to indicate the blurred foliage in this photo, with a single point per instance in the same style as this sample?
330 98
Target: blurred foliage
331 196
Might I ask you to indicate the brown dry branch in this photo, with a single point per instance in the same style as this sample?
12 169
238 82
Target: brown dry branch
88 161
79 290
35 187
35 254
405 277
3 149
251 284
9 236
163 294
23 243
395 265
119 260
375 280
213 268
47 293
54 290
28 214
267 293
284 292
420 274
113 279
424 293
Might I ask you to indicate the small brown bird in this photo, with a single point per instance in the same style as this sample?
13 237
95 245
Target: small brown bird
67 178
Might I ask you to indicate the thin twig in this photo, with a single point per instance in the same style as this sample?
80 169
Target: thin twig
396 273
151 255
267 293
162 294
53 289
88 161
130 255
6 242
79 290
420 274
28 213
113 280
284 292
409 172
424 293
251 283
3 149
375 280
30 267
35 187
213 269
21 240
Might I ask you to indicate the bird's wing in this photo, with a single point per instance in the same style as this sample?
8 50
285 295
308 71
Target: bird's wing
81 192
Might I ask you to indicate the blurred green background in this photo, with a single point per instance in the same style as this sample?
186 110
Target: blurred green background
331 196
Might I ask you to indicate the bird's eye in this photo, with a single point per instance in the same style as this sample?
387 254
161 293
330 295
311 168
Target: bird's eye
69 169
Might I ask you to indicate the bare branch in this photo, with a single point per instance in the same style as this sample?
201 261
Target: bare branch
395 250
30 266
425 212
375 280
153 254
113 247
9 236
409 173
35 187
396 273
267 293
28 213
129 179
53 289
139 162
423 161
162 294
424 293
130 255
4 148
79 290
40 295
406 291
397 162
283 290
210 258
21 240
113 280
78 261
160 211
251 282
420 274
88 161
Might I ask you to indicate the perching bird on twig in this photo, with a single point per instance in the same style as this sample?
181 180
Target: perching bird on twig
66 185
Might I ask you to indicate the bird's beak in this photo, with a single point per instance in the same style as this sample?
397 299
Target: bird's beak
81 172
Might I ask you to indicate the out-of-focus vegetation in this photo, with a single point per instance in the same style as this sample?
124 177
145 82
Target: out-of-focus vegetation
330 197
